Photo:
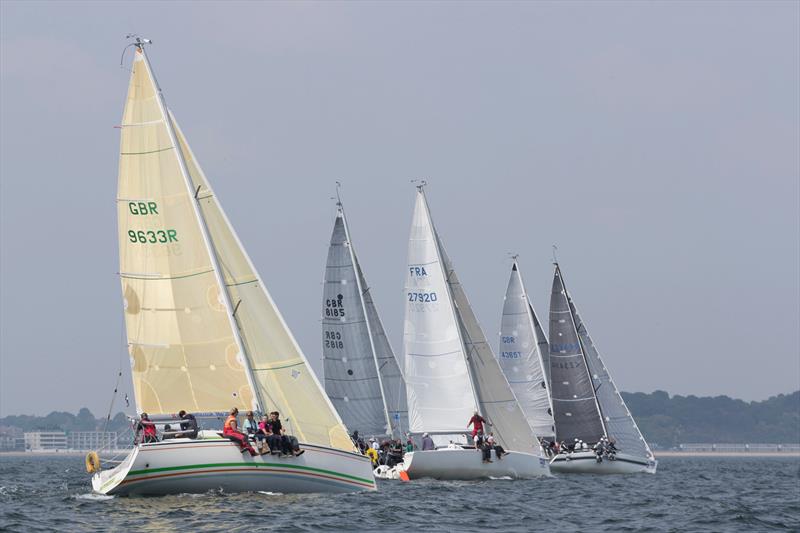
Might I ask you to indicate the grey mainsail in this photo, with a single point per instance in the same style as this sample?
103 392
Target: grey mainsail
575 408
356 353
524 355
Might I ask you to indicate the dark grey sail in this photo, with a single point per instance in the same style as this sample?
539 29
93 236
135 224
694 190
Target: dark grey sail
394 387
575 407
544 346
351 376
618 420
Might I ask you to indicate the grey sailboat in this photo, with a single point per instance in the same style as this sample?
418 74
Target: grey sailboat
362 377
587 405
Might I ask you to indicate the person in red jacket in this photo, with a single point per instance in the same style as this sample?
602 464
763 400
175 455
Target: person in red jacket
231 430
476 422
147 429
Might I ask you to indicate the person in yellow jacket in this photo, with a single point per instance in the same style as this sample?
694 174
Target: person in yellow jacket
372 453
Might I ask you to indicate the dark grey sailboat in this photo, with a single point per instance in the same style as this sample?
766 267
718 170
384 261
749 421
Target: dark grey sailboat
587 406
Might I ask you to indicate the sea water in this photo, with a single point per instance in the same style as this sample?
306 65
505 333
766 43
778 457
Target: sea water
47 493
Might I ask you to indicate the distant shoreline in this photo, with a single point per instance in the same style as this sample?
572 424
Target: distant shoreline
725 454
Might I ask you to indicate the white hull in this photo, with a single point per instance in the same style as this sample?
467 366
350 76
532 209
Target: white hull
466 464
197 466
586 463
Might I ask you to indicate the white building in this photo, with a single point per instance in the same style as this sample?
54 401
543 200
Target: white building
45 440
92 440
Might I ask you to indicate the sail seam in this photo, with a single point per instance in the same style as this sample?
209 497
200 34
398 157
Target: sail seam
149 152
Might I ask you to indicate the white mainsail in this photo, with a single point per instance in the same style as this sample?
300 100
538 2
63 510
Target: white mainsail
361 373
441 398
256 349
483 387
522 353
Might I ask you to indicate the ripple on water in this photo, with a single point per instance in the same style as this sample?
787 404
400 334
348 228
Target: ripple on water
692 494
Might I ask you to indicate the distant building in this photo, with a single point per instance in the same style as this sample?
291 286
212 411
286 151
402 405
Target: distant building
92 440
45 440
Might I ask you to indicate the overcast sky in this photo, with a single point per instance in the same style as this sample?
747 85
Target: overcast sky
655 143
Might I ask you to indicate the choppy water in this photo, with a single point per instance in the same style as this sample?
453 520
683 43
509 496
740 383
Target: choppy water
688 494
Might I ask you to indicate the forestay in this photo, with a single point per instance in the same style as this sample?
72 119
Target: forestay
618 420
281 372
521 355
575 408
351 373
440 394
495 397
183 349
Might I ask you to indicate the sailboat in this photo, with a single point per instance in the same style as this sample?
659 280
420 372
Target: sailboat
586 403
362 377
451 372
524 356
203 333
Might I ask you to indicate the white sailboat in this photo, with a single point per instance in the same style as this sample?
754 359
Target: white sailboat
587 406
362 377
451 372
524 356
203 333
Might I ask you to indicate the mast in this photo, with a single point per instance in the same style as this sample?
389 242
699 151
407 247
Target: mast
583 349
456 317
162 104
364 309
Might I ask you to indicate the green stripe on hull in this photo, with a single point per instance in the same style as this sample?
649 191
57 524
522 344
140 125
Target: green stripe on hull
150 471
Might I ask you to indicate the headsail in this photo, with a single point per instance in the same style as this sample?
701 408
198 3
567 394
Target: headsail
441 398
394 386
618 420
283 376
575 408
184 351
496 399
523 356
352 378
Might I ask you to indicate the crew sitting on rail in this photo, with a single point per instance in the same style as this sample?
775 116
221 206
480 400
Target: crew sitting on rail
231 430
499 452
188 425
427 443
250 426
289 444
483 446
147 429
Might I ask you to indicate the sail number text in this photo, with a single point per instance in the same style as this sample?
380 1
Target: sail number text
334 307
422 297
149 236
511 355
333 339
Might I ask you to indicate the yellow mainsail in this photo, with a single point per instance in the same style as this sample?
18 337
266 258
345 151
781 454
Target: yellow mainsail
185 352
